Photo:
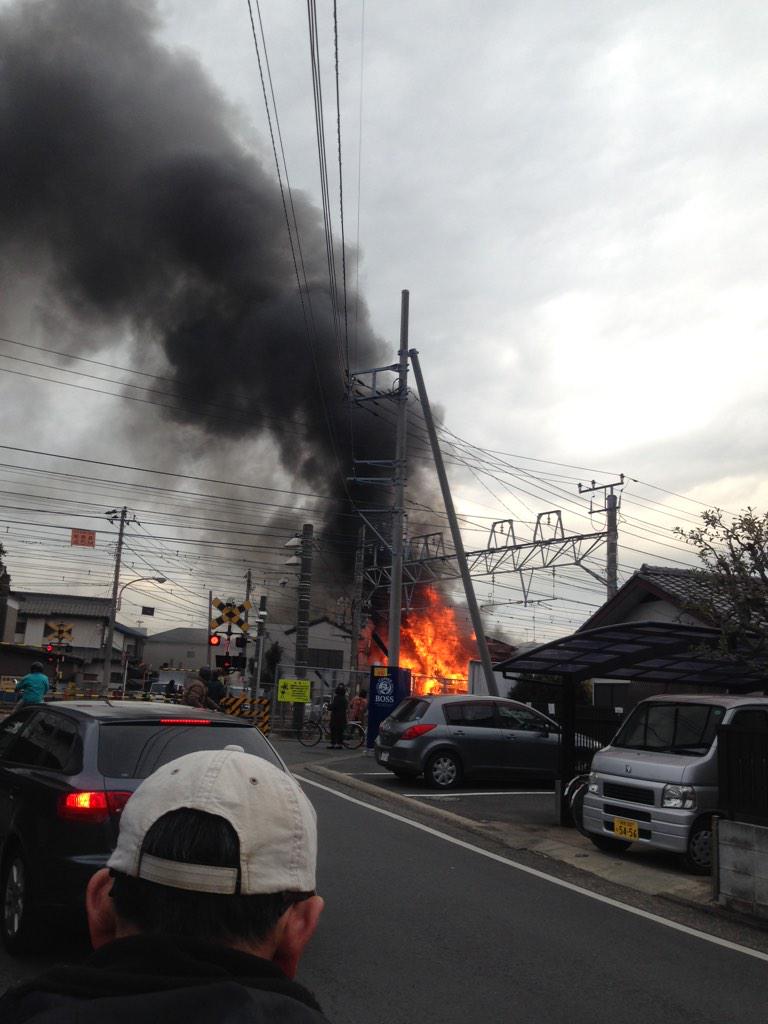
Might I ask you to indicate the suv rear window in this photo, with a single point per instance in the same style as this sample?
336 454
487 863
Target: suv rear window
409 710
134 751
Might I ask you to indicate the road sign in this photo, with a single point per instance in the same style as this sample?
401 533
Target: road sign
294 691
83 539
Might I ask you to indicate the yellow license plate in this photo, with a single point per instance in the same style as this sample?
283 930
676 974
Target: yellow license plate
625 829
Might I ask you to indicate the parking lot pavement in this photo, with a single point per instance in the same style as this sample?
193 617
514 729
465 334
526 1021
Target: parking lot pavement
521 817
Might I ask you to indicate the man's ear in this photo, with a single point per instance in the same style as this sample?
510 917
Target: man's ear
102 920
294 930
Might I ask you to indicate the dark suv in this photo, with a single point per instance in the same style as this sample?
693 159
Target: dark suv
66 772
448 739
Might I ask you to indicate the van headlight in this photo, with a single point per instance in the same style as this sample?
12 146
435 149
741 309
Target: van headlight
683 797
593 784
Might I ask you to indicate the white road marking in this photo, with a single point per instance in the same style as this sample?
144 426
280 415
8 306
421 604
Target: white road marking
483 792
598 897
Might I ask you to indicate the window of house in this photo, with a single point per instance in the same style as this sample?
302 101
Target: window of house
318 657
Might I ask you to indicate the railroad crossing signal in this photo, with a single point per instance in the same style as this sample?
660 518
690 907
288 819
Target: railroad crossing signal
230 614
58 632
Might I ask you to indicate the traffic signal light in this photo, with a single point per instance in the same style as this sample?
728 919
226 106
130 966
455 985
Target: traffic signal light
214 640
241 641
223 661
48 648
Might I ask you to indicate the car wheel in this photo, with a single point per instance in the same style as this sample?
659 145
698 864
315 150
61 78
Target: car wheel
443 770
697 859
608 845
17 922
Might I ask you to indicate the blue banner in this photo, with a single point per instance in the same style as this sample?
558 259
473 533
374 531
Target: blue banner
388 687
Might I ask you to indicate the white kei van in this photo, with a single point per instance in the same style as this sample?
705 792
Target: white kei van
656 783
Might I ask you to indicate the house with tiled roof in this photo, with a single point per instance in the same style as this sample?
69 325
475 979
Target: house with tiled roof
654 593
33 619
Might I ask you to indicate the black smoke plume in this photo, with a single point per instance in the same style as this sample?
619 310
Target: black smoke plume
124 183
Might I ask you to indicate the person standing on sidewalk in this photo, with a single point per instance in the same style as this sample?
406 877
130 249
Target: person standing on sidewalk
338 709
358 706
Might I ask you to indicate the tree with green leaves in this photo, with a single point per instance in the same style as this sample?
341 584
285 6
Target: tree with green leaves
732 585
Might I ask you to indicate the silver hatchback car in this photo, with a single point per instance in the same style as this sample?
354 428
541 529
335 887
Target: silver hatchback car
448 739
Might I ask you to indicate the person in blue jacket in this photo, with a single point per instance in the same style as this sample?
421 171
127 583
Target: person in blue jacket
34 686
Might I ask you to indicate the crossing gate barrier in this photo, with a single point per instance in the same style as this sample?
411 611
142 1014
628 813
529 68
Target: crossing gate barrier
242 707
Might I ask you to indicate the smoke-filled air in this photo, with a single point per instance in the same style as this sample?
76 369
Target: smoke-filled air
127 193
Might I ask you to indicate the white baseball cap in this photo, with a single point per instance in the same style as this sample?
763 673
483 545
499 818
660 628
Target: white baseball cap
274 821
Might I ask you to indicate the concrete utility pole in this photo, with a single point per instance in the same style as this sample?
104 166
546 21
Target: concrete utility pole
357 600
208 627
461 558
245 633
107 673
260 630
302 613
612 531
398 517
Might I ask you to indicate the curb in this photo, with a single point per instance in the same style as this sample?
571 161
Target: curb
395 798
512 839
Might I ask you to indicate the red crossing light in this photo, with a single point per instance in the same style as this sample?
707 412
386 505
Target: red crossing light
214 639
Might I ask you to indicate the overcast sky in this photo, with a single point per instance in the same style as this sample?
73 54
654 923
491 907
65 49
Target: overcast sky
575 196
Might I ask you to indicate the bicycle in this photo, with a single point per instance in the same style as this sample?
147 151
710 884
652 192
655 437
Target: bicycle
311 732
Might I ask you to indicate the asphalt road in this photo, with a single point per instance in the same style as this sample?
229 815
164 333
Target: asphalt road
421 928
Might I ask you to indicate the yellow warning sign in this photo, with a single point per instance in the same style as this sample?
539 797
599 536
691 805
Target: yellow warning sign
294 691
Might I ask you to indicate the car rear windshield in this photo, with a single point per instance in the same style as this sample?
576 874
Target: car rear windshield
134 751
409 710
671 728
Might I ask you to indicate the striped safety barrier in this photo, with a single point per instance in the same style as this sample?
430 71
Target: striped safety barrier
243 707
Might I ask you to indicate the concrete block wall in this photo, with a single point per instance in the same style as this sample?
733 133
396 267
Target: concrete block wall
742 867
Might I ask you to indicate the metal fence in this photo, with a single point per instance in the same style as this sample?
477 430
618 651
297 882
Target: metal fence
323 681
595 727
742 762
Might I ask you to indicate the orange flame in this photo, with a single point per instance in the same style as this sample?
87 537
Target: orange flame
434 648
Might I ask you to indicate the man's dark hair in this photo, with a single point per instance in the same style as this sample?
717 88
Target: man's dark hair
194 837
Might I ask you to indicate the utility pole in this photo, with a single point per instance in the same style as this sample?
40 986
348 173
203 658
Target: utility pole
357 600
208 627
612 531
461 558
260 630
302 613
107 674
244 632
396 584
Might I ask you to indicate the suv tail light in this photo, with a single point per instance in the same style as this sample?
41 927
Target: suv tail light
94 806
416 730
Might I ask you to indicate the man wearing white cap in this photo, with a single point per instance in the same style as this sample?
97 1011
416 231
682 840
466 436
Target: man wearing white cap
204 908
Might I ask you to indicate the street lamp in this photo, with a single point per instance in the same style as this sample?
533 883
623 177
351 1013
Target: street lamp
141 579
113 607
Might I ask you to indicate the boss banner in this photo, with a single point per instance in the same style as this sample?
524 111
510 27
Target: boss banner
388 686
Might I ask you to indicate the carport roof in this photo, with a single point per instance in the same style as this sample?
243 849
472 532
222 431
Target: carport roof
654 652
